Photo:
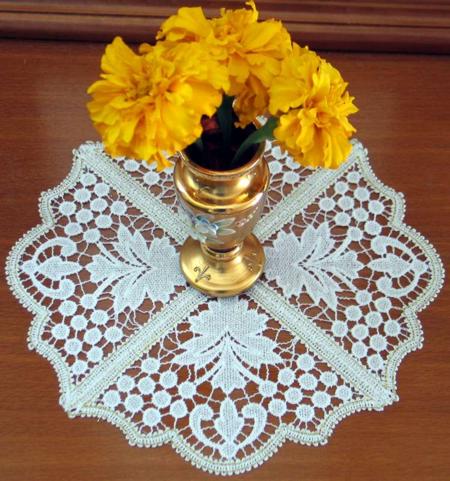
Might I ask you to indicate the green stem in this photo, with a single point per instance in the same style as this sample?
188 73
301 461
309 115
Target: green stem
225 119
263 133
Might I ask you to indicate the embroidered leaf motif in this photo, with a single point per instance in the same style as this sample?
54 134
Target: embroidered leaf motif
391 264
230 346
229 425
313 264
136 270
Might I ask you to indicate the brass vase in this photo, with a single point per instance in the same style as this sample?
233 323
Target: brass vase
222 257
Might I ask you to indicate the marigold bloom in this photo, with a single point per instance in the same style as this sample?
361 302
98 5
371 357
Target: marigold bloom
311 99
251 50
149 106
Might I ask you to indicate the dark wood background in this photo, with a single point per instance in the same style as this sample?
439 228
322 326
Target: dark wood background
404 120
357 25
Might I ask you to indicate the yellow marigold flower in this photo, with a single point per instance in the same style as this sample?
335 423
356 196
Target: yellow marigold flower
188 25
251 50
295 80
149 106
252 101
311 99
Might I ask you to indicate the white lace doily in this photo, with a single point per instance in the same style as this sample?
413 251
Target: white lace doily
225 381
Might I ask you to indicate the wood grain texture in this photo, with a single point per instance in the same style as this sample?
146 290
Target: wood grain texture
357 25
404 121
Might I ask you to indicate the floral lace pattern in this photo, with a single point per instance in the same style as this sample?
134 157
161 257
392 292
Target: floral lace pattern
225 381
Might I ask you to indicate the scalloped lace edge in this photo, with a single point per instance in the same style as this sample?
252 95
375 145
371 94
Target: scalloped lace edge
283 432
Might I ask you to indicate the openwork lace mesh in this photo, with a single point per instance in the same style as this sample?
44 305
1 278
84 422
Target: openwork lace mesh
226 381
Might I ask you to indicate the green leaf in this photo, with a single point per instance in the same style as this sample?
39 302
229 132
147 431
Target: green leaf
263 133
225 119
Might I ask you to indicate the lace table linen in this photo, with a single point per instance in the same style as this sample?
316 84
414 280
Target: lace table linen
225 381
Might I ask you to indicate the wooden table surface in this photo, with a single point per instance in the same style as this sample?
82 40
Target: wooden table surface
404 121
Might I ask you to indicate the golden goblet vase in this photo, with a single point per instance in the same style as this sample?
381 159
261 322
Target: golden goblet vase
222 257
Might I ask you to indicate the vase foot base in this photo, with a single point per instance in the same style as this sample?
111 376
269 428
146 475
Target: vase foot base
218 277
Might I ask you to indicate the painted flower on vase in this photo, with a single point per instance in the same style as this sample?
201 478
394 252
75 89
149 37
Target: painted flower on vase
204 228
